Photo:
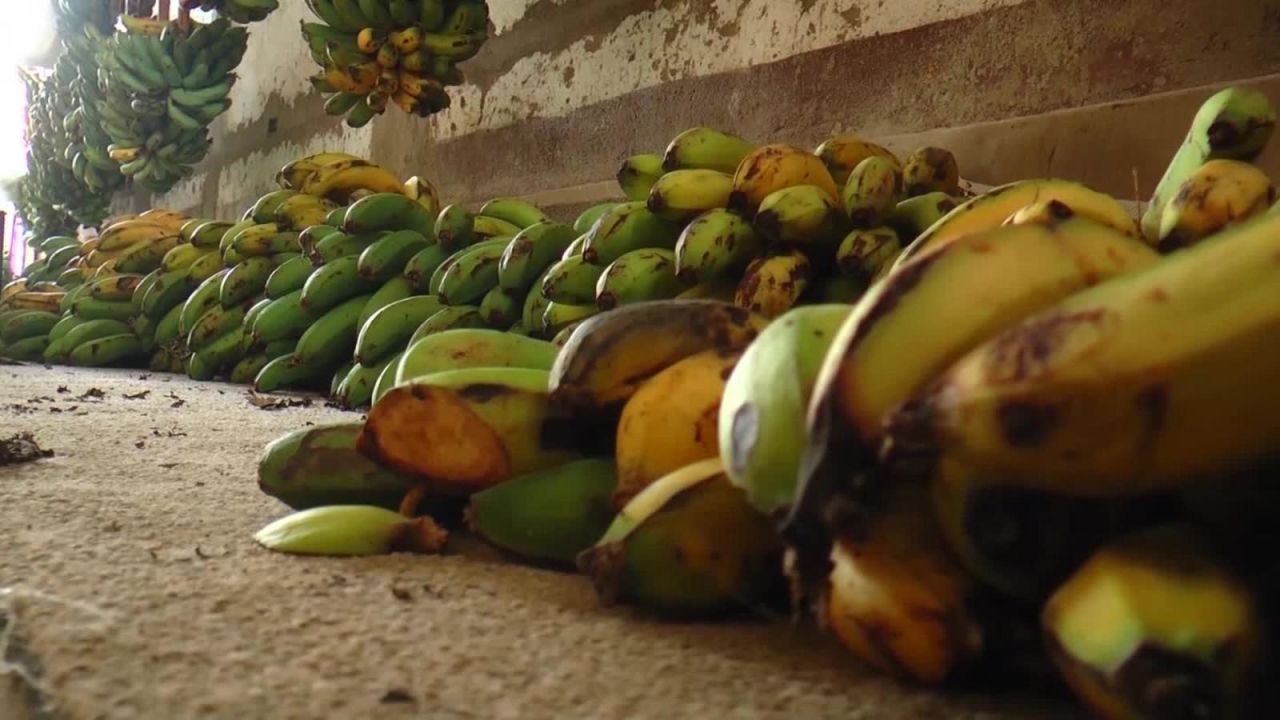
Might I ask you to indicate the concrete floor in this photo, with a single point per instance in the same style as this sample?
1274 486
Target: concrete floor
130 587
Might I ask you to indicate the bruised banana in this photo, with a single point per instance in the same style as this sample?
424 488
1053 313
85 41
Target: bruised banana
628 226
865 255
930 169
716 245
773 284
466 430
689 545
842 155
671 421
320 466
873 189
1132 386
1219 193
571 280
803 215
500 309
548 516
770 168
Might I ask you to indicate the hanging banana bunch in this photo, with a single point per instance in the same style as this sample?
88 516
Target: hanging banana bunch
237 11
406 52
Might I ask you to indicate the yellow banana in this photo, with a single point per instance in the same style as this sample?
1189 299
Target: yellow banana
681 195
121 236
421 189
1219 193
337 182
843 153
293 175
930 169
770 168
771 285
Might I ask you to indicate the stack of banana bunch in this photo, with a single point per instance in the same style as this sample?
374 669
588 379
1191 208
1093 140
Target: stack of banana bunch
400 51
57 260
237 11
161 88
765 227
26 306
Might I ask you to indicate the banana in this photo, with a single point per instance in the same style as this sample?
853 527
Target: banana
49 301
220 355
689 545
454 227
420 268
1154 625
471 275
301 211
466 430
181 257
387 256
520 213
866 255
284 371
309 237
104 351
991 208
422 190
277 348
293 175
802 215
122 236
629 226
558 316
389 211
65 324
472 348
209 234
334 283
352 530
487 227
582 224
90 308
531 252
27 324
214 324
331 337
637 176
244 371
873 189
716 245
1105 409
1234 124
765 402
115 287
571 281
204 267
245 280
1218 194
913 217
387 378
703 148
613 354
393 290
88 330
771 285
288 276
844 153
253 239
500 309
390 328
549 516
264 209
449 318
638 276
26 350
770 168
930 169
356 389
144 257
680 195
722 290
671 421
166 332
204 297
340 245
283 319
337 182
320 466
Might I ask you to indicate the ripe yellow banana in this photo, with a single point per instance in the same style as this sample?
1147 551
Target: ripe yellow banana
1218 194
293 175
770 168
773 284
1136 385
930 169
671 421
337 182
122 236
680 195
843 153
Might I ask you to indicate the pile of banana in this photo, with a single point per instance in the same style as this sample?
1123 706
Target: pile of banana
401 51
237 11
1041 443
161 86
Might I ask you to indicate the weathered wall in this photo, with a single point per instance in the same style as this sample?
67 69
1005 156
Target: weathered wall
1094 89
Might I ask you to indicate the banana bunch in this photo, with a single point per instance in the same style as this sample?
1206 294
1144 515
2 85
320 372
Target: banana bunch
237 11
89 145
161 87
406 52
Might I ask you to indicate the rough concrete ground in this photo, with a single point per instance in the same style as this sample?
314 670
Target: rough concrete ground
130 587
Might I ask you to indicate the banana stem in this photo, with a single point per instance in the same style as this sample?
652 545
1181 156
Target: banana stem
412 499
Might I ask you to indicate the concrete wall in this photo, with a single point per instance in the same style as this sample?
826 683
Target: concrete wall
1097 90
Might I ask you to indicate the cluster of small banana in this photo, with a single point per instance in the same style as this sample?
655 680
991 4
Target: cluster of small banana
237 11
400 51
162 86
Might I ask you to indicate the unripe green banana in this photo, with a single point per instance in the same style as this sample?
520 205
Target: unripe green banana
771 285
717 245
420 268
489 228
706 148
873 189
454 227
638 276
390 328
680 195
204 267
930 169
576 247
535 304
28 324
205 296
629 226
557 316
224 352
500 309
283 319
245 280
320 465
913 216
448 318
397 288
264 210
637 175
65 325
572 281
308 237
765 404
104 351
181 257
472 347
288 276
356 390
387 378
282 372
331 337
209 235
582 224
518 212
90 308
389 211
243 372
865 255
473 274
803 215
27 349
255 309
335 246
549 516
333 283
167 327
386 257
215 323
530 253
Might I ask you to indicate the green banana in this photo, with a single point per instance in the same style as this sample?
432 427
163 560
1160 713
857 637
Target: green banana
63 326
487 227
803 215
390 328
90 308
520 213
243 372
104 351
420 268
26 349
874 188
472 274
244 280
284 371
288 276
264 210
205 296
535 305
549 516
308 237
214 324
209 234
629 226
557 316
454 227
572 281
277 348
203 268
680 195
356 390
389 211
638 276
706 148
319 466
500 308
28 324
911 217
587 218
638 174
387 378
456 349
717 245
448 318
339 245
397 288
283 319
331 337
387 256
223 353
530 252
167 327
865 255
333 283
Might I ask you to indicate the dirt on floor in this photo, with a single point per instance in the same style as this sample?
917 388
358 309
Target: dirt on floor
130 587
